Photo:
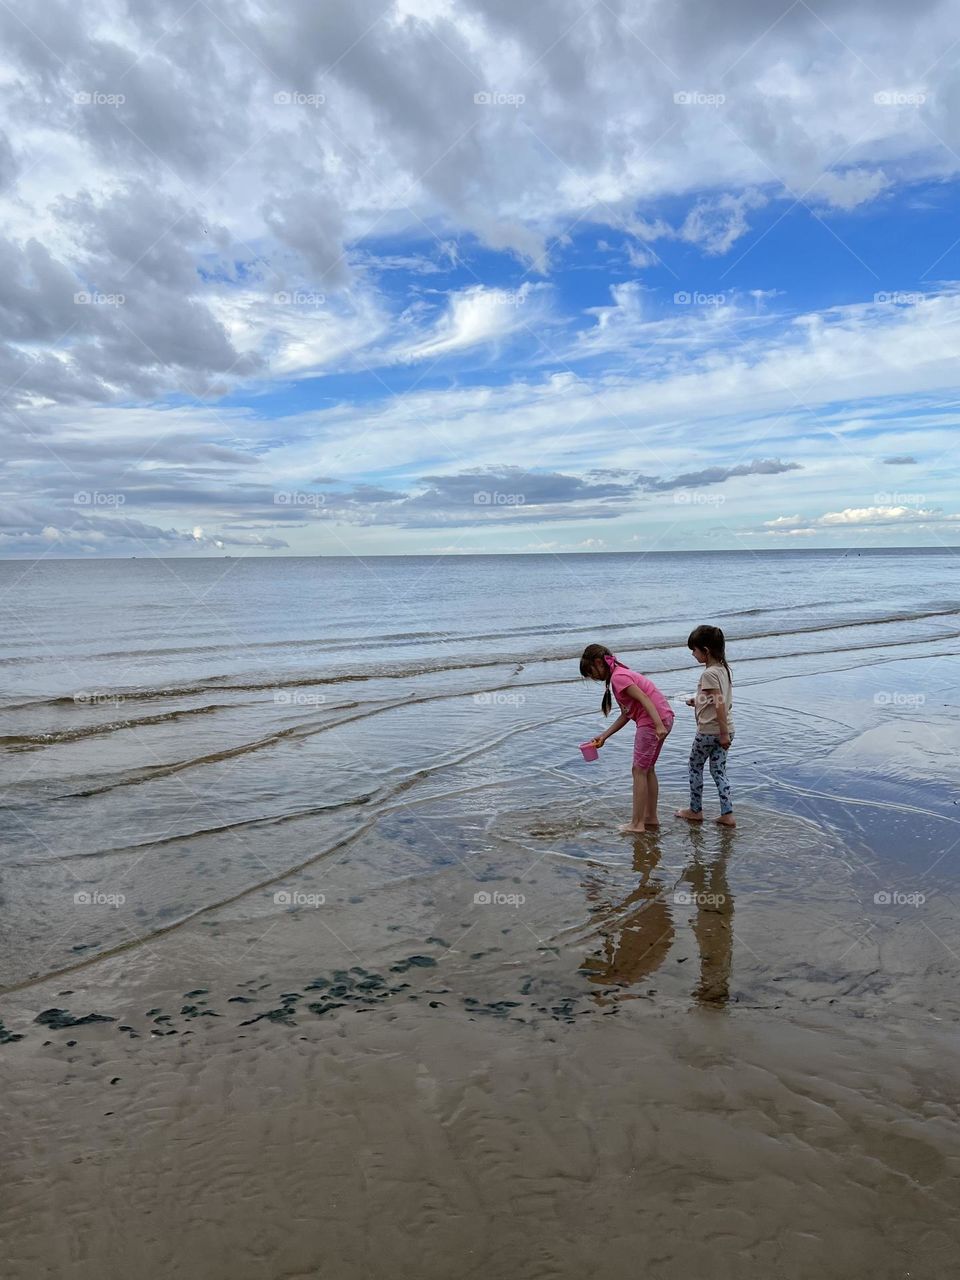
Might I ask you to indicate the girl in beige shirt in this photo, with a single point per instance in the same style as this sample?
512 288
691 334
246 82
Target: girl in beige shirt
713 706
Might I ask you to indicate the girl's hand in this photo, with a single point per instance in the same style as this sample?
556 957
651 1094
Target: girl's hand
725 740
598 742
691 702
661 730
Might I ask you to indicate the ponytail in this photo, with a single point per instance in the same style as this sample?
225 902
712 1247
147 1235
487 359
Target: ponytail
711 641
587 662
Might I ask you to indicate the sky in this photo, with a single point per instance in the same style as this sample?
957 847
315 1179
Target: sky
367 277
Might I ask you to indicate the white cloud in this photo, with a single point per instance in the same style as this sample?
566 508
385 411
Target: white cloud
859 518
264 149
851 188
474 317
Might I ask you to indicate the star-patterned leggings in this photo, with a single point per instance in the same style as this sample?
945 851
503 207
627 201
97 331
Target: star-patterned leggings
706 746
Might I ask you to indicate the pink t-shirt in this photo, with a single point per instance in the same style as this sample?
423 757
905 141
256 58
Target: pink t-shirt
621 678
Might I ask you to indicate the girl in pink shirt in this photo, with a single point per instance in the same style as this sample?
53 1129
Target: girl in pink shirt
642 702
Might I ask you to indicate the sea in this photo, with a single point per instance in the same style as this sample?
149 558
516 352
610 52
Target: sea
180 734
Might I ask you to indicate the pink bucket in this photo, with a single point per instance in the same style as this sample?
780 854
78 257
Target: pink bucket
589 751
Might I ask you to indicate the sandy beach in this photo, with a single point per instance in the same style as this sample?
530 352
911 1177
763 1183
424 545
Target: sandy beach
562 1068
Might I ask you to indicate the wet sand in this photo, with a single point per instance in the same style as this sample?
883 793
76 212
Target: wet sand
322 972
504 1045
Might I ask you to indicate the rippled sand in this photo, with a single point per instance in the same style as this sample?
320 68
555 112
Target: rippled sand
503 1045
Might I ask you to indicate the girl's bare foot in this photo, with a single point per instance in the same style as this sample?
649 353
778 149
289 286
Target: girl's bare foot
727 820
632 829
689 815
651 824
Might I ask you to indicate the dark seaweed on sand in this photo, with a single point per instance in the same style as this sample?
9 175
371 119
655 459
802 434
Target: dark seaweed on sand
60 1018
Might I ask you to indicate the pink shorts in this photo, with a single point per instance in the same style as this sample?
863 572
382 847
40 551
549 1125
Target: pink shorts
647 746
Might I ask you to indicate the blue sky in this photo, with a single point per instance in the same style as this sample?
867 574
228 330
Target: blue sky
411 276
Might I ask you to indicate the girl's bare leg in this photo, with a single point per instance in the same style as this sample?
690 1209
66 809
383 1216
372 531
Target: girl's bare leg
653 795
639 802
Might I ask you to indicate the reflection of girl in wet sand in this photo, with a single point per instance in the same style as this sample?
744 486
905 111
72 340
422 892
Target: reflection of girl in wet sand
712 926
642 702
638 932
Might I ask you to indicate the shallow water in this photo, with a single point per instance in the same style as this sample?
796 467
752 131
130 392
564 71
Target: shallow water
177 734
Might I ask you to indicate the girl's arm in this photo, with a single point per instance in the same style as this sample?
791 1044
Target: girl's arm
716 697
634 691
617 725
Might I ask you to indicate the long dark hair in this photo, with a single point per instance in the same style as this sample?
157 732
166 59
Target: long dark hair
587 661
711 641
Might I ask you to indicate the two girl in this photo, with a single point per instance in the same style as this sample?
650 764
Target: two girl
642 702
